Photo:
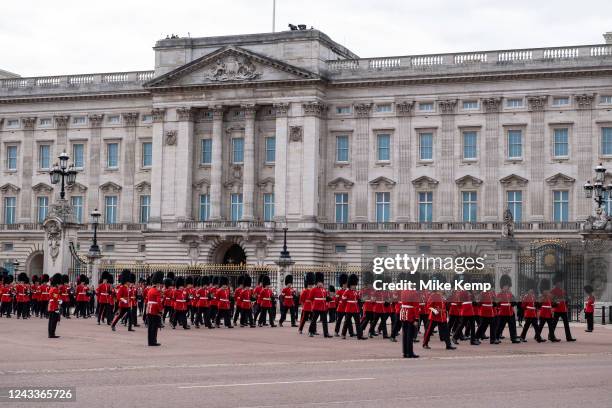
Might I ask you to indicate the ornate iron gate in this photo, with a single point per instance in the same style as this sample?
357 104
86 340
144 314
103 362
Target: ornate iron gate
550 259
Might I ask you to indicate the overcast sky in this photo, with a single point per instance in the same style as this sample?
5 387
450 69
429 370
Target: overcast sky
42 37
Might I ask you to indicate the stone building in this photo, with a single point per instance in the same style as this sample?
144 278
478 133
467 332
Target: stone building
229 139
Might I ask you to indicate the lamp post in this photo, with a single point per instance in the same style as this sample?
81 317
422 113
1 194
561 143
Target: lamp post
94 249
62 173
597 189
284 263
15 267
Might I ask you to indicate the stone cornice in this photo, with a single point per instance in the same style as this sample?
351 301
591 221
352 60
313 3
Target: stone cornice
249 109
281 109
158 114
447 106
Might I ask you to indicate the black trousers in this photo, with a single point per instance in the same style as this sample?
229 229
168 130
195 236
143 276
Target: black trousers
408 333
22 309
42 306
368 317
180 317
226 315
263 311
153 325
313 322
466 322
562 316
237 313
531 321
453 323
382 327
332 315
306 315
551 327
340 316
122 312
442 331
490 323
423 319
511 321
348 324
54 318
283 314
589 319
6 309
246 317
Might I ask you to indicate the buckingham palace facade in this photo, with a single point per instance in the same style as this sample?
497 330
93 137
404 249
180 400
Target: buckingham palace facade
229 139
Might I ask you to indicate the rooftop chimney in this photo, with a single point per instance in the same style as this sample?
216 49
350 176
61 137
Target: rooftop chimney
608 37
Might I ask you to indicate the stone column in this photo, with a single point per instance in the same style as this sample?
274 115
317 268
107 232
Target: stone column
184 165
313 111
361 157
404 143
93 166
280 168
27 163
584 152
128 200
489 155
537 157
216 169
248 174
61 125
157 170
446 162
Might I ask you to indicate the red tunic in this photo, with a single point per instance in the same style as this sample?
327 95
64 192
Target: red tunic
559 297
589 306
486 308
21 293
64 293
546 308
265 297
238 295
222 297
455 307
467 308
436 303
103 293
54 300
168 297
180 300
409 305
245 303
351 299
305 300
153 299
318 297
340 300
423 296
287 295
256 293
528 306
123 297
505 303
202 295
44 292
81 293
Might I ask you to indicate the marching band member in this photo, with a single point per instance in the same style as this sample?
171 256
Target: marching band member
318 296
238 298
202 295
222 295
437 318
180 300
53 305
468 321
287 302
81 297
22 295
168 296
105 306
246 316
589 308
560 308
409 314
486 310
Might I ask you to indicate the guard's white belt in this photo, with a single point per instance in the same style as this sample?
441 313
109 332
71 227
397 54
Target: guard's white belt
466 303
266 299
423 304
504 304
223 300
407 307
380 301
181 300
547 307
320 298
151 303
530 307
487 305
351 301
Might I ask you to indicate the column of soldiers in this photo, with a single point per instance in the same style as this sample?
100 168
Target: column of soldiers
209 301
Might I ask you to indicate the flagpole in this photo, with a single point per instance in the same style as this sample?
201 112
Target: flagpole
273 16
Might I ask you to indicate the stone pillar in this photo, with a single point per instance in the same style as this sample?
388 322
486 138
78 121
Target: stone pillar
280 168
404 143
507 251
60 231
61 125
313 111
27 164
184 165
446 161
248 174
361 157
489 155
157 169
128 200
216 169
537 156
584 153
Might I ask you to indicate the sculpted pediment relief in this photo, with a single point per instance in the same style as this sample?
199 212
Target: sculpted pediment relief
424 182
382 182
514 180
9 188
230 65
76 187
42 188
340 182
469 181
143 186
560 179
110 187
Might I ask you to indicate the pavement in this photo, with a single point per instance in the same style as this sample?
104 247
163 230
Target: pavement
277 367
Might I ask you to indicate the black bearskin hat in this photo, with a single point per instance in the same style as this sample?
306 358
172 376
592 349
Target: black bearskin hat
157 278
189 280
265 280
124 277
147 281
223 281
84 280
65 279
558 278
240 280
309 280
353 280
215 281
170 275
44 278
505 280
205 281
331 289
289 280
167 282
106 275
544 285
56 279
180 281
530 285
132 277
259 279
588 289
368 278
319 277
8 279
81 278
343 279
142 280
197 281
34 278
22 277
111 278
247 280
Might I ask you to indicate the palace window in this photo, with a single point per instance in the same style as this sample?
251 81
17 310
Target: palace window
10 206
145 208
112 155
515 144
206 151
77 204
342 148
44 156
560 205
342 207
605 99
237 150
268 207
606 141
470 105
236 207
426 106
514 103
561 101
514 203
426 146
11 157
469 145
204 214
384 108
270 149
561 142
384 147
78 157
383 207
147 154
12 123
79 120
607 203
340 249
425 206
343 110
114 119
469 201
110 209
45 122
42 206
146 118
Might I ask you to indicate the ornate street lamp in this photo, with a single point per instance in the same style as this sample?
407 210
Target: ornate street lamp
597 189
94 249
15 267
285 257
62 173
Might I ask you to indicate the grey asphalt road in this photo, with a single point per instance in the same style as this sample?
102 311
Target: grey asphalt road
276 367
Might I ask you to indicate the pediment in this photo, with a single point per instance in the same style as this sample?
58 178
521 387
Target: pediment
143 186
425 182
110 187
202 183
231 65
42 188
9 188
76 187
560 179
469 181
340 182
382 181
513 180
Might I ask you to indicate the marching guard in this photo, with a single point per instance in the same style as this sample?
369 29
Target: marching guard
53 305
123 300
560 307
437 318
154 307
287 302
589 308
318 296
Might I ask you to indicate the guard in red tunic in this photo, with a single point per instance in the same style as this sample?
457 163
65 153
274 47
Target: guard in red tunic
21 295
265 302
454 312
43 298
222 295
486 310
213 308
53 305
181 304
505 300
546 314
238 298
319 297
202 295
154 307
465 299
331 304
256 292
309 281
103 294
34 294
351 308
560 306
6 297
368 297
436 304
246 316
530 314
82 297
287 302
341 304
65 296
409 314
589 308
123 299
133 301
